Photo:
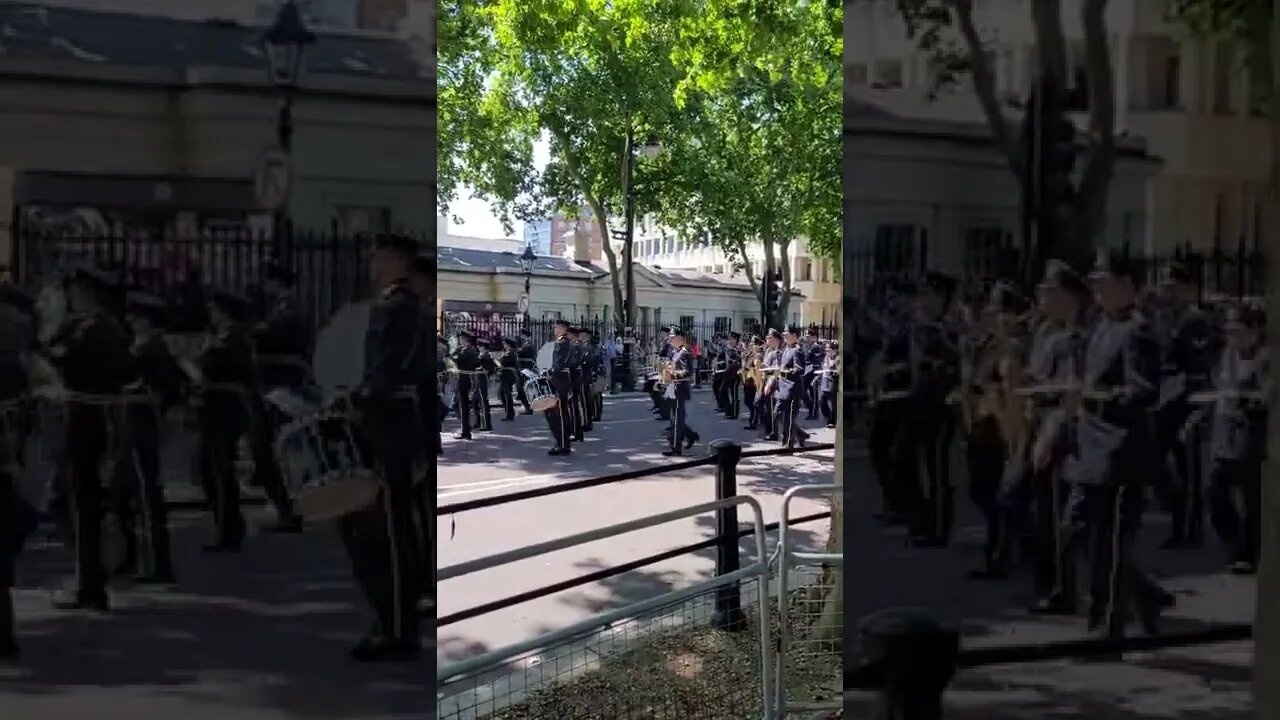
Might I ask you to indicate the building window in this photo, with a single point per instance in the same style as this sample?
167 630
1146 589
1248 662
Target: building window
856 74
686 323
896 248
360 220
803 271
1172 83
888 75
989 252
723 324
1223 65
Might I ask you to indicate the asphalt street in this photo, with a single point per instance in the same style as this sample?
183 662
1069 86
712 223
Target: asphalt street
513 457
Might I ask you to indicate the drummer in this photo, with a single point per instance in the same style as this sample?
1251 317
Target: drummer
509 377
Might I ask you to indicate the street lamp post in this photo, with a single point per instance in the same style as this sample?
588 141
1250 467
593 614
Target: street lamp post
650 148
285 46
526 264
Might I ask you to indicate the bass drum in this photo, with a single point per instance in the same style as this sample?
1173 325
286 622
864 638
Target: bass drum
546 356
338 360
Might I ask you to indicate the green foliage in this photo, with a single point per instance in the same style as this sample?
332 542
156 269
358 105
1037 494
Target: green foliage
1247 21
589 73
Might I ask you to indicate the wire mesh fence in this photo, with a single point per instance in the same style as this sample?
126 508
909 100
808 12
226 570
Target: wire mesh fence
672 664
810 661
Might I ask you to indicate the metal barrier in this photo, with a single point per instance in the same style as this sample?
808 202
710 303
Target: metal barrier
786 558
449 706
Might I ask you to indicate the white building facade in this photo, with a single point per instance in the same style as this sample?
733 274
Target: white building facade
1187 98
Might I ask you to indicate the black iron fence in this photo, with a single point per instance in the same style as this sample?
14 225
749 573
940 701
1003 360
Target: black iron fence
332 267
541 329
1238 272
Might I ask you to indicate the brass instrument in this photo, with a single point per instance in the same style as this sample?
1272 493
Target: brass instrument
666 375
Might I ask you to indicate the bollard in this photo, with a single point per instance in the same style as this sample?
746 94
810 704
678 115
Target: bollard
728 598
909 657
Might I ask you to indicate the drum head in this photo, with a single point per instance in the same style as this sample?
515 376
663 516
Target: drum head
338 497
339 356
546 356
544 404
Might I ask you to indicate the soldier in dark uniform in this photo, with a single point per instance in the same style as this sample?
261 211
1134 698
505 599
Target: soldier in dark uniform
766 399
282 345
1239 440
682 437
559 418
829 383
140 505
749 389
661 407
228 386
922 469
17 517
731 385
509 367
594 371
92 353
489 366
1191 348
382 540
812 354
791 390
1111 450
577 398
891 388
466 360
528 356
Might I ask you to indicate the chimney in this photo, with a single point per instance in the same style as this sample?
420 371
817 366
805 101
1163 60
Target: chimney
581 244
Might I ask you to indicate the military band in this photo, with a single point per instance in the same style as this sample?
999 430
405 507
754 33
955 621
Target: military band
1061 407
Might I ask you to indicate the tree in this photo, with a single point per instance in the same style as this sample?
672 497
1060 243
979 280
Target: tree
760 162
1255 26
948 31
588 73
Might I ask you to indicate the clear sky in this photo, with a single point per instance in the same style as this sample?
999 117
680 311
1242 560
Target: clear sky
477 220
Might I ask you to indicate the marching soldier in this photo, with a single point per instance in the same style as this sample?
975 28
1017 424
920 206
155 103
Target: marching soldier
137 478
925 436
528 356
682 437
578 370
17 517
766 401
1190 351
595 371
731 385
489 366
661 407
92 353
559 417
790 390
813 354
509 367
466 360
227 372
282 344
1238 440
891 386
1111 450
750 392
829 384
442 380
382 540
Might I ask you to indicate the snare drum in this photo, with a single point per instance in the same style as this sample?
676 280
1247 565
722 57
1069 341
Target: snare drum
541 396
324 468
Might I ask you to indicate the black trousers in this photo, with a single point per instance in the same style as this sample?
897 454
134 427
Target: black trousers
559 418
506 385
266 469
829 403
787 418
384 541
680 430
886 421
481 403
1176 481
753 408
577 409
462 399
87 432
217 454
987 455
811 395
139 502
732 384
1235 505
922 472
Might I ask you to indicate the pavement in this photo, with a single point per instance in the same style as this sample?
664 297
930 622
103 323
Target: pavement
513 458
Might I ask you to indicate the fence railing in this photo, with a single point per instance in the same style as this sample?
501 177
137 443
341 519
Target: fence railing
540 330
726 587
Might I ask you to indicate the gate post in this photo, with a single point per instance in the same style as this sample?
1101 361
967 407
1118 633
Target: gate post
728 598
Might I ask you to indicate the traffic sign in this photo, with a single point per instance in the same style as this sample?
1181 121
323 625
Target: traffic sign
523 304
272 179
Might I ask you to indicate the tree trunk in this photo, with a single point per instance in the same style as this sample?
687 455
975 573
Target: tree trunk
1266 645
829 628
